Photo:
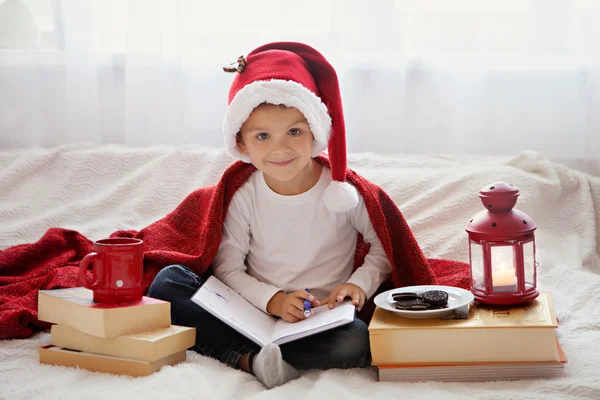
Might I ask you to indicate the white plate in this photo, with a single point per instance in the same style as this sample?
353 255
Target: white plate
457 298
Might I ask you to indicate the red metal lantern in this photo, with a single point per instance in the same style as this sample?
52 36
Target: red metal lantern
502 249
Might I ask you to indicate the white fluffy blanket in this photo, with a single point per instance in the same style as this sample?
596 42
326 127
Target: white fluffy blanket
96 190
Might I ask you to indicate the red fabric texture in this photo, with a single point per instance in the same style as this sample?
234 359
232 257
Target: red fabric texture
190 235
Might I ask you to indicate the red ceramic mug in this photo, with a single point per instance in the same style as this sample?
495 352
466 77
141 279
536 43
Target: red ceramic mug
117 267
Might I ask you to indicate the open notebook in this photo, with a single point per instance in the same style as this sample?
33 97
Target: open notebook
230 307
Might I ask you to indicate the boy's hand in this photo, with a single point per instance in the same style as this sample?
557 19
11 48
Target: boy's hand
340 292
290 307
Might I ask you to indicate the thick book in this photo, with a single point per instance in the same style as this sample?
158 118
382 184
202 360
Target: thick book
473 372
53 355
489 334
75 308
147 346
234 310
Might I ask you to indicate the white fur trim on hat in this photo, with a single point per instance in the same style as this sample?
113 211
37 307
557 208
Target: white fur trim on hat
276 91
340 197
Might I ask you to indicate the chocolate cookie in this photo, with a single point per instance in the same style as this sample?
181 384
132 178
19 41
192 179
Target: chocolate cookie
435 297
412 305
405 296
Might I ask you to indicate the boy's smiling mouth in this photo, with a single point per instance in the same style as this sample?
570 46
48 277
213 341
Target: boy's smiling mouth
282 163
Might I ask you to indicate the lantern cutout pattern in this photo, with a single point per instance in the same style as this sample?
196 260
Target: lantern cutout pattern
502 249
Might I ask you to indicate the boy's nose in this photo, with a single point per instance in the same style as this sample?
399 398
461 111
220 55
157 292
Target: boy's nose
281 146
281 150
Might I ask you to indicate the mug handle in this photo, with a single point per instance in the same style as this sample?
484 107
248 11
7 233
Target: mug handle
83 267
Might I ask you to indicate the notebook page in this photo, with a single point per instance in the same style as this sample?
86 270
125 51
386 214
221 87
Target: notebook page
233 309
321 319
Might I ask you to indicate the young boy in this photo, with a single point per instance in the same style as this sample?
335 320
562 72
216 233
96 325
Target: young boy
294 224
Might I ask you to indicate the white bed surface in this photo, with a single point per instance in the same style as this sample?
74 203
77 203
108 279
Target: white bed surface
99 189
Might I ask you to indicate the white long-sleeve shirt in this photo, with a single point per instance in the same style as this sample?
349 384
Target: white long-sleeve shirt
273 242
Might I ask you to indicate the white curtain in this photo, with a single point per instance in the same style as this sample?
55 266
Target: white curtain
422 76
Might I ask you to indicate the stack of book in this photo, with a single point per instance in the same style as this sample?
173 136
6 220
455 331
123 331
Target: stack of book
133 339
491 344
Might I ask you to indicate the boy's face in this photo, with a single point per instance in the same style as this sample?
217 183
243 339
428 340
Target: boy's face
278 141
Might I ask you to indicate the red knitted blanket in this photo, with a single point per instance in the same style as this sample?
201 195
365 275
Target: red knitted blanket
190 235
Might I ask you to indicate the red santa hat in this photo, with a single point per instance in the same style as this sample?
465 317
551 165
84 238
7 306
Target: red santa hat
295 75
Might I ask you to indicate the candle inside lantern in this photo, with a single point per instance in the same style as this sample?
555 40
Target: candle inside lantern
504 279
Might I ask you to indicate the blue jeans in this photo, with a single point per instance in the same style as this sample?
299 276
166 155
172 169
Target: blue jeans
343 347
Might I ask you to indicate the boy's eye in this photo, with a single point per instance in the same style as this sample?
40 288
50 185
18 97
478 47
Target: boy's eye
262 136
295 131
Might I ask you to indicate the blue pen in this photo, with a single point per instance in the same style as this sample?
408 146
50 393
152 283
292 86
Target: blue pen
307 306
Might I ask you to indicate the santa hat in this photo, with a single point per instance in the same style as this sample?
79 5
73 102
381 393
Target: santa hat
295 75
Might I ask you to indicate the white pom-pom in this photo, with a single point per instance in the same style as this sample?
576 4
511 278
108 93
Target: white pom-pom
340 197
